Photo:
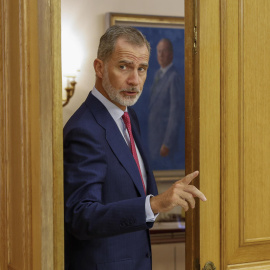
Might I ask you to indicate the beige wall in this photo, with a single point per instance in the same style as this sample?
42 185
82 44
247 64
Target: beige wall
86 20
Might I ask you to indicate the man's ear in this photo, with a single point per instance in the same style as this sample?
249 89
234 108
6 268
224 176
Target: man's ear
99 67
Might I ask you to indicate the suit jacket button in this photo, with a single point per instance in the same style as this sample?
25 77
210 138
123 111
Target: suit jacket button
147 255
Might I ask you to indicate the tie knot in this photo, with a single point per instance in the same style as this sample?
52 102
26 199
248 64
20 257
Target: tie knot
126 120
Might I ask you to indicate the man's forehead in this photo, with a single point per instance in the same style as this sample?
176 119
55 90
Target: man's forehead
126 56
122 41
163 43
125 51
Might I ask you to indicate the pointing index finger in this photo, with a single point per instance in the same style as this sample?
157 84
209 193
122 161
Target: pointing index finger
186 180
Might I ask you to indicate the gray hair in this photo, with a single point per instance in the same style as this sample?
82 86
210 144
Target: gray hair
108 40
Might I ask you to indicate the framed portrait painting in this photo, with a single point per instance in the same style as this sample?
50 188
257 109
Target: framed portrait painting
161 107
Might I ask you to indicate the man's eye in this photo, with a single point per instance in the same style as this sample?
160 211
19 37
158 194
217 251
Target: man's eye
123 67
142 69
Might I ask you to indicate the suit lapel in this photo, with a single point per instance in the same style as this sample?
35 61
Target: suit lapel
158 89
115 140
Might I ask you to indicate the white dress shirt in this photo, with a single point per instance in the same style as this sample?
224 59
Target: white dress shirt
117 114
164 70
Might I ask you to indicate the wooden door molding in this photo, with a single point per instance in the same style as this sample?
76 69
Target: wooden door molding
52 132
203 129
191 133
31 183
3 140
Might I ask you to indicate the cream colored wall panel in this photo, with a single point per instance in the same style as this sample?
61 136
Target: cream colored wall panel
163 256
168 256
180 256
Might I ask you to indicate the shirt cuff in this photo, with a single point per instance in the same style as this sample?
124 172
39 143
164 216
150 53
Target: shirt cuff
150 217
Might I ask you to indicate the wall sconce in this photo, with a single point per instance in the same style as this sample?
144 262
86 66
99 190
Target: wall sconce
72 56
70 89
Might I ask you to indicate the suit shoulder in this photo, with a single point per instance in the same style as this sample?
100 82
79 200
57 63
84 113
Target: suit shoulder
173 72
80 119
174 77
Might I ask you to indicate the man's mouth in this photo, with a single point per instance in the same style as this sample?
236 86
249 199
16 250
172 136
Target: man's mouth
131 92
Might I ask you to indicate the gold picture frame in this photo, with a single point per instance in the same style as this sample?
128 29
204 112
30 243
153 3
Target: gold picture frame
142 20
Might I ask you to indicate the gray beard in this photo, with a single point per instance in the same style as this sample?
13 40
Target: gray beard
115 95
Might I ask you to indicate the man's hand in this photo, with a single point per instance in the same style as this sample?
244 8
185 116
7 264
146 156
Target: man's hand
164 150
180 193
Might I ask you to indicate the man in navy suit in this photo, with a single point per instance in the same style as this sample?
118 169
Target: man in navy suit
167 104
110 201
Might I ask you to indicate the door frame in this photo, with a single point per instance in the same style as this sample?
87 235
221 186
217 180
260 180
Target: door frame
191 130
38 94
203 94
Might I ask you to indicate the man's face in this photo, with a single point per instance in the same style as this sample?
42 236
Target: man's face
125 73
164 54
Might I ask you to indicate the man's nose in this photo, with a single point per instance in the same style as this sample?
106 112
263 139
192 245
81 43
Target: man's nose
133 78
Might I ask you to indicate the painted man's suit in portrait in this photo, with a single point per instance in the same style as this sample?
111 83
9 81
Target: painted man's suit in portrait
166 119
105 220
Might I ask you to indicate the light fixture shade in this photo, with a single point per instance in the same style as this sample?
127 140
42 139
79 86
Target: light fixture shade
71 53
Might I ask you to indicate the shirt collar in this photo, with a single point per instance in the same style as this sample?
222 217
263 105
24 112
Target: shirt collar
164 70
114 111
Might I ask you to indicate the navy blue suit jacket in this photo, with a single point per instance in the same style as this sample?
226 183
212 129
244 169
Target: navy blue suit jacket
105 224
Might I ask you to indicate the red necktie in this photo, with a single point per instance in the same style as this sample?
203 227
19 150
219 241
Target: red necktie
132 143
